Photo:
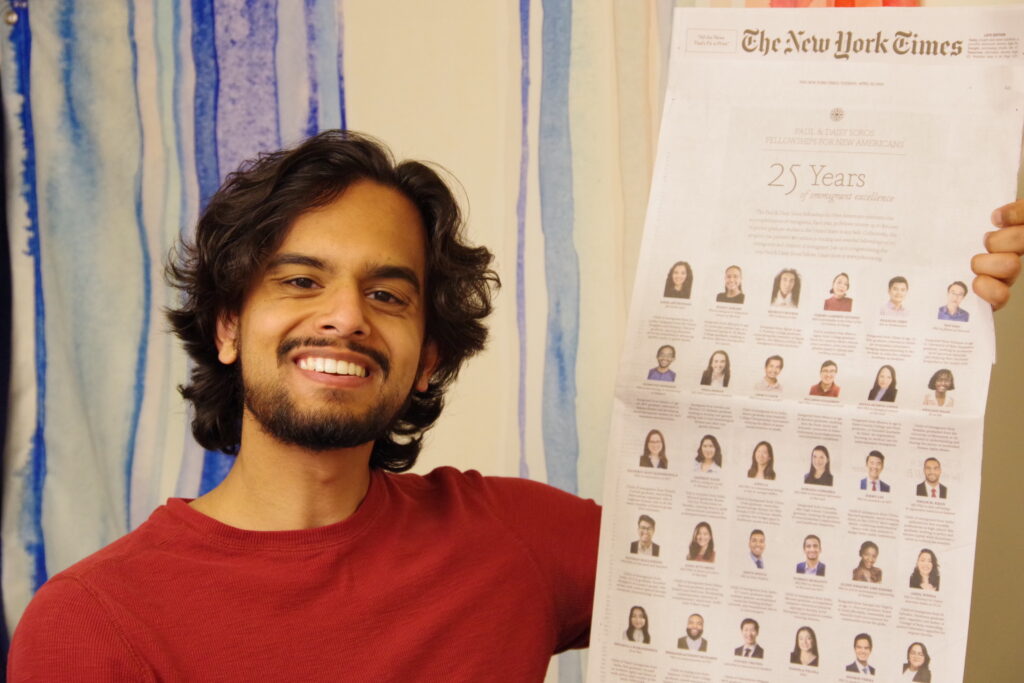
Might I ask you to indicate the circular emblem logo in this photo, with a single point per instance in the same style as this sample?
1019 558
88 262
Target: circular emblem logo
836 114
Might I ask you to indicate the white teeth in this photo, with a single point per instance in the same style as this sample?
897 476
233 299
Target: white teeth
331 366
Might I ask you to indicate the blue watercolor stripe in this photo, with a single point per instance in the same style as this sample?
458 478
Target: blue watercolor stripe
341 68
313 114
147 286
204 57
31 517
524 164
216 466
269 7
561 265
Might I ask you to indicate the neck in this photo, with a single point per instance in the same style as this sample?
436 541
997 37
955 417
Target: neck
275 486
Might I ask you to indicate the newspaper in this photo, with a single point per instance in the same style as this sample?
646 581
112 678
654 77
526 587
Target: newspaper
795 453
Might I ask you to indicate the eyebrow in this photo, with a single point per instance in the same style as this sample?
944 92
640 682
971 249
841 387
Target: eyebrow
372 272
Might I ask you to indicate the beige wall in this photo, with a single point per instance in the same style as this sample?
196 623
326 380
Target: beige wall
994 648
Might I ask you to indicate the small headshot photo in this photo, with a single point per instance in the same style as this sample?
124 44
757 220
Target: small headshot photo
786 289
820 473
733 292
955 294
702 544
812 553
839 301
694 638
884 388
654 451
645 545
898 287
709 455
926 572
678 281
827 384
866 570
862 647
805 649
770 382
637 631
940 385
931 487
875 463
762 462
917 666
749 648
717 373
756 543
661 373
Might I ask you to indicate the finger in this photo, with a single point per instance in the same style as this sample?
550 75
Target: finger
1002 266
994 291
1009 214
1007 239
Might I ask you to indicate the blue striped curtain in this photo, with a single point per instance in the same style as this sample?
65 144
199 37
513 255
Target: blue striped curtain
123 117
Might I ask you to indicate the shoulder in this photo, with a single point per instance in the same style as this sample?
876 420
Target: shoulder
69 632
448 481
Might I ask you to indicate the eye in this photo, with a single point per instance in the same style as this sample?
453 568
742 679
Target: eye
385 297
301 282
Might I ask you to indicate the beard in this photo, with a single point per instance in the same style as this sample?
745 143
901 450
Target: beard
328 427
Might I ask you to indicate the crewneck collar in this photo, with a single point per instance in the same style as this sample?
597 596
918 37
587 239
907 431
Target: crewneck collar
345 531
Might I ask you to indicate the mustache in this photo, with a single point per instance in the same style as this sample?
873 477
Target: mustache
289 345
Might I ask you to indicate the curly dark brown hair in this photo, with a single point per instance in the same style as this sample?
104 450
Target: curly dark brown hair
245 222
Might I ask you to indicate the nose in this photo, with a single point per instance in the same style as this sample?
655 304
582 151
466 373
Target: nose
343 313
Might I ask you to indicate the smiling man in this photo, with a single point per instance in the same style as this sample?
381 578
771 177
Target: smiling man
812 551
329 300
931 487
827 386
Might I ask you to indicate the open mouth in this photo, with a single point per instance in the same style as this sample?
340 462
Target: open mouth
331 366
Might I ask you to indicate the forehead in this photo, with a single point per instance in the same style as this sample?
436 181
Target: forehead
367 222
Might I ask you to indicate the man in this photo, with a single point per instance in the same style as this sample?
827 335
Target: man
770 382
645 545
812 551
931 487
955 294
756 543
898 287
661 373
329 299
875 462
749 630
733 293
862 646
694 640
827 386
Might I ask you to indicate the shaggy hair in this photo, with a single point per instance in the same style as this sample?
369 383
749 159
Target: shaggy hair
245 222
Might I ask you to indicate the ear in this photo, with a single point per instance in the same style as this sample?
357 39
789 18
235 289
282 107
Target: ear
429 360
227 338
